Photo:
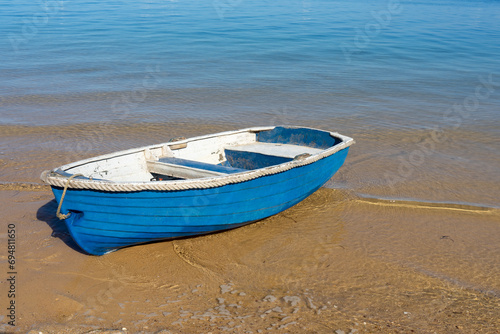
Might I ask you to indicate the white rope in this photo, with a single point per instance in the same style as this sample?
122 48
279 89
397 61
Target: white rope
212 182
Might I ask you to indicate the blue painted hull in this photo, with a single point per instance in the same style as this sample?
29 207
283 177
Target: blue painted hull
102 221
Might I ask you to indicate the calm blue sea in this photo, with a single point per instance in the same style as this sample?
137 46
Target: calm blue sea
382 64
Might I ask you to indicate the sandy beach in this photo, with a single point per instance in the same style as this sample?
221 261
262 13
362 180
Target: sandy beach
339 262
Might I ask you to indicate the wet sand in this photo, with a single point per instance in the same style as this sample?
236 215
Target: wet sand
344 260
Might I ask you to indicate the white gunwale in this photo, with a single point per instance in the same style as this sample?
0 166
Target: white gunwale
53 178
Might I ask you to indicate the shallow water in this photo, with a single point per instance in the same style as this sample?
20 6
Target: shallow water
412 225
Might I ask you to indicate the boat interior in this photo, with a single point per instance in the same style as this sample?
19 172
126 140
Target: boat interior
206 156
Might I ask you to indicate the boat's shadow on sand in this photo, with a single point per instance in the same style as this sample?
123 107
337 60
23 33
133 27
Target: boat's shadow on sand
47 213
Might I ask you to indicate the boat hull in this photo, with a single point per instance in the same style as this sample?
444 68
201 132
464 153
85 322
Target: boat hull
104 221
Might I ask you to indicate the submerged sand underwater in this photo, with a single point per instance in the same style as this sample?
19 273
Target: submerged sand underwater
365 257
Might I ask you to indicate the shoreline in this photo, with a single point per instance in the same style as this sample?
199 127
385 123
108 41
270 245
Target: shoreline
448 175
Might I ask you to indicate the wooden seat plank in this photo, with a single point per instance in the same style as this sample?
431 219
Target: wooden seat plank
178 171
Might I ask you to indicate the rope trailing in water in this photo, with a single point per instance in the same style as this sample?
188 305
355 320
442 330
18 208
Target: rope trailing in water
60 215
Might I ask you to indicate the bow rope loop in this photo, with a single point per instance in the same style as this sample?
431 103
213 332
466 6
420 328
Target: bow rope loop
60 215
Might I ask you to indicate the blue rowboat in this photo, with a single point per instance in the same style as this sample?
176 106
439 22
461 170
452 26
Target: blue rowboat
193 186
